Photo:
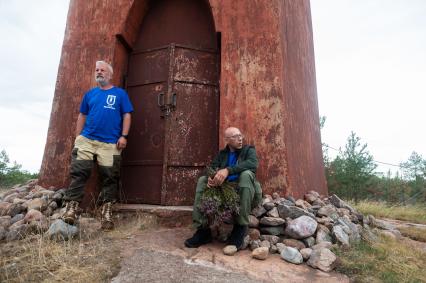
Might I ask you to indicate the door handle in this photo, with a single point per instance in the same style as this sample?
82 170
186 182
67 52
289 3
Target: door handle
174 100
160 100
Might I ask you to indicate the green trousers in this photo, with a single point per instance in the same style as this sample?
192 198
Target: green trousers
250 196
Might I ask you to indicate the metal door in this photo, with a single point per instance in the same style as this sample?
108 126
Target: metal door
175 126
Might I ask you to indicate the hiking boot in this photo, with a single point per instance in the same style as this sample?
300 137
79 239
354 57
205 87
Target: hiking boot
70 214
237 236
106 216
201 237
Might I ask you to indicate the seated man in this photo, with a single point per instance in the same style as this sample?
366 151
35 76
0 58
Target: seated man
236 163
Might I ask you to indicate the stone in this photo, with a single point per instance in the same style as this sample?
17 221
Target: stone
273 249
344 211
19 201
57 196
5 221
322 245
48 211
388 234
323 236
3 233
327 211
33 215
337 202
254 234
291 199
17 233
292 212
17 218
283 201
273 212
306 253
253 221
291 255
260 253
301 227
302 204
383 224
266 199
53 205
265 243
258 211
38 227
310 197
246 242
269 205
270 238
55 216
10 197
272 221
341 237
322 259
275 196
37 203
294 244
61 230
254 244
5 208
280 247
224 230
272 230
309 242
318 202
230 250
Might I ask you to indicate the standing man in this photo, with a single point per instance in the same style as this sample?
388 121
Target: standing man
102 128
236 163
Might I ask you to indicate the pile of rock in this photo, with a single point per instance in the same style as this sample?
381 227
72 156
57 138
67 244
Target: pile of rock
306 229
31 209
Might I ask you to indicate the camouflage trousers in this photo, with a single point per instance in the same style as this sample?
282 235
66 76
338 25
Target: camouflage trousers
84 155
250 194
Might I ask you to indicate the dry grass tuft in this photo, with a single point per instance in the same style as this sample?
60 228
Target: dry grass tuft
412 213
418 234
385 261
36 258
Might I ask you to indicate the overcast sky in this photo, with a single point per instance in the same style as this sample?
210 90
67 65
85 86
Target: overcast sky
370 65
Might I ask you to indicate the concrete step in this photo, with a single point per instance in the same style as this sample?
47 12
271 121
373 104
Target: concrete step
171 216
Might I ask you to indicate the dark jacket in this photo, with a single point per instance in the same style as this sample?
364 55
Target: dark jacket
247 160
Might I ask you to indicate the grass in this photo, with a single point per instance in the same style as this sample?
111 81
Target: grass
418 234
412 213
385 261
97 259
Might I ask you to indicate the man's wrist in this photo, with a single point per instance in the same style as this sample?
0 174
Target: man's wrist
124 136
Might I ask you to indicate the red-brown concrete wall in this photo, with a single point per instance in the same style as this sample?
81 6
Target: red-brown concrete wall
267 83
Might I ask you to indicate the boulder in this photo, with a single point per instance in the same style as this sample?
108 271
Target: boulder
270 238
322 259
37 203
273 249
269 205
306 253
286 211
3 233
254 234
280 247
265 243
254 244
322 245
17 218
10 197
301 227
230 250
246 242
260 253
309 242
323 236
341 237
272 221
291 255
310 197
5 221
253 221
327 211
5 208
272 230
33 215
294 244
273 212
61 231
337 202
258 211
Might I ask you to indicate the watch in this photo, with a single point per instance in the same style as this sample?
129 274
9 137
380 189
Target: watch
125 136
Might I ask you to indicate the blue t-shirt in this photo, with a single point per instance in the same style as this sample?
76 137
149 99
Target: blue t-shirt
232 161
104 110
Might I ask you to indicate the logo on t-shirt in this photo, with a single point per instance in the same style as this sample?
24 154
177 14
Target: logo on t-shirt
110 101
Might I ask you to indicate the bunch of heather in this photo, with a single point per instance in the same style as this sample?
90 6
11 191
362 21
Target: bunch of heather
219 204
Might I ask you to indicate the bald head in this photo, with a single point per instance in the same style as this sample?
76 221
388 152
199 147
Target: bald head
233 138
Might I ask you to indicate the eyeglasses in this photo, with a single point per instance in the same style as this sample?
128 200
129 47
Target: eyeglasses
236 137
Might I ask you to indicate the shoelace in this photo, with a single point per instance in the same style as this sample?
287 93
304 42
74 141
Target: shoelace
107 213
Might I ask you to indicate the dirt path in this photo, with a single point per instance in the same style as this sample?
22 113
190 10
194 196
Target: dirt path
159 256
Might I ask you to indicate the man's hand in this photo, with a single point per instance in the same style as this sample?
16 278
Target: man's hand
121 143
220 177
